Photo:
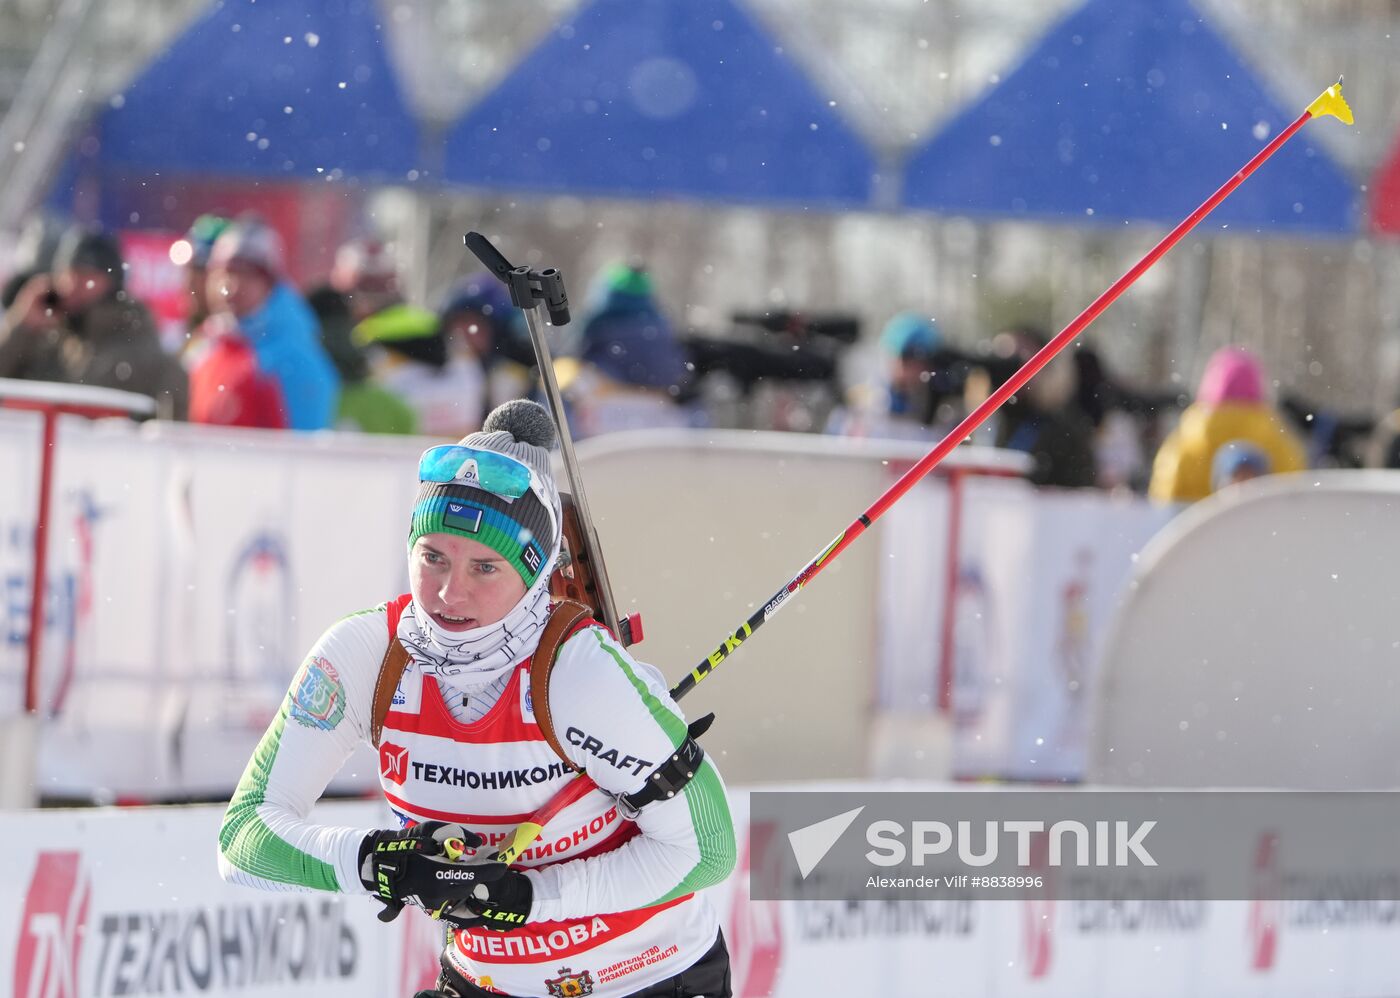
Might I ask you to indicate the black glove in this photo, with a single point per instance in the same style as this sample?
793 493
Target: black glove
428 865
500 899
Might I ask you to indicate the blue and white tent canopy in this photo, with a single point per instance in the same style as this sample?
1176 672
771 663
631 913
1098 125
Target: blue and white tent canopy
270 88
1130 110
639 98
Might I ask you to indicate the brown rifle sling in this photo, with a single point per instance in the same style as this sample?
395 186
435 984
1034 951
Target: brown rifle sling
390 672
566 616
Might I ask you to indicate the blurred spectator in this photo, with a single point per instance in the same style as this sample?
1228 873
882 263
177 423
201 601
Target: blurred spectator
1095 393
480 321
1119 457
631 369
1229 407
1383 447
900 401
408 356
78 326
405 345
246 282
192 252
228 387
909 341
1332 438
1237 461
366 274
1044 419
31 343
364 405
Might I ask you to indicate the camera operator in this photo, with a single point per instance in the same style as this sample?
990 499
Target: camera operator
77 325
31 333
917 394
1044 419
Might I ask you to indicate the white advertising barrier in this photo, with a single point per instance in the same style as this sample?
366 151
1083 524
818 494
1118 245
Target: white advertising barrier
189 571
192 567
1258 644
1038 574
701 527
130 903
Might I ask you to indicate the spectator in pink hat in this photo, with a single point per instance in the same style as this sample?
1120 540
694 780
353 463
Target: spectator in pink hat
1230 409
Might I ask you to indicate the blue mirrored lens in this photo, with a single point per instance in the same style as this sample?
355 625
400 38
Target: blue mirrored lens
496 473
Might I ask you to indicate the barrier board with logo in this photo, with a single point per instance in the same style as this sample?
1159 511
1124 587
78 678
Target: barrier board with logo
187 577
129 902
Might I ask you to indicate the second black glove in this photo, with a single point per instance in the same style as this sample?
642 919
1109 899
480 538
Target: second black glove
501 899
428 865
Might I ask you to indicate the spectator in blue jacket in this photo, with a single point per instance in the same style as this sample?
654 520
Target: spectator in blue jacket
246 280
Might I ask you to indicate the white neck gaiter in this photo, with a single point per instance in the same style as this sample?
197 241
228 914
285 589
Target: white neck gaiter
472 660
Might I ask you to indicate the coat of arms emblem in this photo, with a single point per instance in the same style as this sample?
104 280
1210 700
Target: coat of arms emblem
570 985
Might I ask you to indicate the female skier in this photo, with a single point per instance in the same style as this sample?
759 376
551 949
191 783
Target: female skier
604 902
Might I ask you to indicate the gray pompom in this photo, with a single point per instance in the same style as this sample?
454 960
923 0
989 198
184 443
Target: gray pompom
528 422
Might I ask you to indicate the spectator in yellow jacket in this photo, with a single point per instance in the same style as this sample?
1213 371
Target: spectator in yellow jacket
1229 407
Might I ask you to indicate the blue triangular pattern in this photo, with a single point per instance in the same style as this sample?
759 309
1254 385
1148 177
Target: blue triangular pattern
1138 110
661 97
233 74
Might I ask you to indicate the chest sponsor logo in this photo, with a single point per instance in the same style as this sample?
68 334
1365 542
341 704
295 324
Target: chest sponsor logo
557 944
393 762
484 779
602 753
569 984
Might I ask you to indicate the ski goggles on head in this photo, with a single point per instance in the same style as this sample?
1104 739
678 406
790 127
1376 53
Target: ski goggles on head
497 473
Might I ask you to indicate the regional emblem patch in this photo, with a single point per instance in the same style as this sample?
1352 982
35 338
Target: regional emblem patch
318 698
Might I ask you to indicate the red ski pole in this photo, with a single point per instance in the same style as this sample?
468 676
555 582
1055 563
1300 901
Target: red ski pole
1330 103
